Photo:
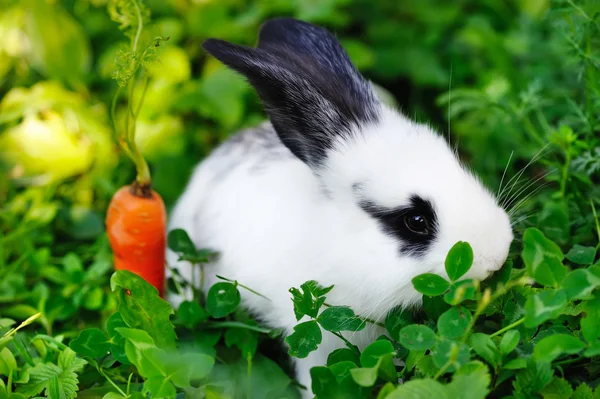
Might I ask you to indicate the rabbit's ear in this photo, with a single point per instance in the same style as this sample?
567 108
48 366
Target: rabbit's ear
307 40
312 100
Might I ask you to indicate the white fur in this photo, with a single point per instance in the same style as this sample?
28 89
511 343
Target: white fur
285 224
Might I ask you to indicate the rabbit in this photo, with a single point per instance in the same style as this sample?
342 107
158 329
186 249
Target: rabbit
335 187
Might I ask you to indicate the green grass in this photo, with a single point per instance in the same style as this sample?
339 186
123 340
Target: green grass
516 85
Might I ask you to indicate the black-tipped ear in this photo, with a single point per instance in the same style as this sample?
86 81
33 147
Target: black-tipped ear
310 89
309 40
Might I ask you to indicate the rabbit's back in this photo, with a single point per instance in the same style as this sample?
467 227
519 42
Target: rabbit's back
255 203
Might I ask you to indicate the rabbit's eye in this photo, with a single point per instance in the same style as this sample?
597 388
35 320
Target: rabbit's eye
416 223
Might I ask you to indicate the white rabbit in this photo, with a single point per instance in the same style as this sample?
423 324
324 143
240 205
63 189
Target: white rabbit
337 188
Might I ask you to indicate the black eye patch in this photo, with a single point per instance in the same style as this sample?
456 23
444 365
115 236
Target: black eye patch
415 224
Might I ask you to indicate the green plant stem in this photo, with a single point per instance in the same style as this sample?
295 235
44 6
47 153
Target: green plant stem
340 336
17 263
443 370
144 90
178 287
567 361
509 327
129 383
51 340
140 27
127 138
597 222
565 171
194 292
111 382
243 286
9 385
202 277
249 369
25 323
492 297
532 130
236 324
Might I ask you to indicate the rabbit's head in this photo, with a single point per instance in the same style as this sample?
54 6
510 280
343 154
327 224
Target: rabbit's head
403 194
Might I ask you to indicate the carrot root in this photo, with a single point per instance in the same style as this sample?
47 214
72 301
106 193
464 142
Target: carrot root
136 226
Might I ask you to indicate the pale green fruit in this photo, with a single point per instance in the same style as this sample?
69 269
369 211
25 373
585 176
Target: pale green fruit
44 150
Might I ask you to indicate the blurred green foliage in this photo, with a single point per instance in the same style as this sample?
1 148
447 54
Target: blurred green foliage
509 81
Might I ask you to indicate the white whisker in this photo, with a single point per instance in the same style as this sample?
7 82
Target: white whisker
503 175
520 173
515 197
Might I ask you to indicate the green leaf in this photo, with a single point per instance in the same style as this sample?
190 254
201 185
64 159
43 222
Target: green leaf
590 319
551 347
65 372
593 350
365 377
430 284
39 378
141 307
376 360
222 299
94 299
340 318
533 378
343 355
426 367
190 314
386 368
580 283
583 391
472 385
558 388
515 364
459 260
158 387
8 363
180 242
193 366
483 345
59 45
417 337
142 352
544 306
460 291
372 353
413 358
386 390
396 319
434 306
581 255
117 347
245 340
454 323
326 385
543 258
91 342
308 299
420 389
305 339
113 395
454 352
54 391
509 341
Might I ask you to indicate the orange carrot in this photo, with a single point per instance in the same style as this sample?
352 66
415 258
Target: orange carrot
136 226
136 218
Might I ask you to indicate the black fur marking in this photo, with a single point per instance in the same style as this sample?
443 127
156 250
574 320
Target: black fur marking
310 89
393 222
